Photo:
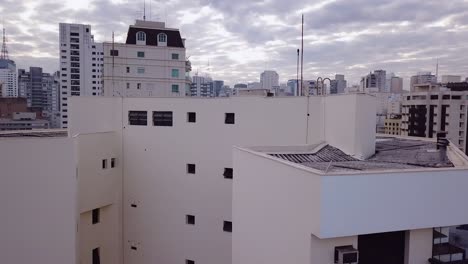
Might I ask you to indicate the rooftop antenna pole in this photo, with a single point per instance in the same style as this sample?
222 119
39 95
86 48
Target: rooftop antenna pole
302 54
113 56
437 70
150 10
4 53
144 10
297 74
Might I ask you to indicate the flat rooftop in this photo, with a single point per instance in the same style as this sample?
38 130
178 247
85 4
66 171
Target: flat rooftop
34 133
391 153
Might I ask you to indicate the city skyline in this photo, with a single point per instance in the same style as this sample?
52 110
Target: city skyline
236 41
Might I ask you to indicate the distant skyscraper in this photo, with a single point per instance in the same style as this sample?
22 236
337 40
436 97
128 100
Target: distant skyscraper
374 82
81 64
292 87
396 85
41 92
202 87
269 80
422 78
338 85
217 87
8 80
240 86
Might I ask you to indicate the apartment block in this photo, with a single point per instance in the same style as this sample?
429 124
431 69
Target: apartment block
148 186
81 64
393 125
151 63
8 78
426 113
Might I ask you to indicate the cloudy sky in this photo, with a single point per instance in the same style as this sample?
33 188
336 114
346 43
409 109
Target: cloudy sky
237 40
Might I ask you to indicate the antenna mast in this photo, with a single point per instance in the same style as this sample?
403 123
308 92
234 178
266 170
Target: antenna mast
302 54
437 70
144 10
4 54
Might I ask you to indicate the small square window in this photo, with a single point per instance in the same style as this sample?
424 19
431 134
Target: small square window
189 261
175 73
134 205
191 117
114 52
96 256
128 85
190 219
140 70
175 56
175 88
113 163
191 168
138 86
162 118
140 54
96 216
227 173
227 226
104 163
128 69
133 248
229 118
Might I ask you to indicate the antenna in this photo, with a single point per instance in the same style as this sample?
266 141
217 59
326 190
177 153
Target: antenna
437 70
297 76
4 54
302 54
144 9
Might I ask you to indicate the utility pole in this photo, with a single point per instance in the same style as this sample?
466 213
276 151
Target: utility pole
302 55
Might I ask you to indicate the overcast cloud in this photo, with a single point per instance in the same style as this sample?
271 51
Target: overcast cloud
236 40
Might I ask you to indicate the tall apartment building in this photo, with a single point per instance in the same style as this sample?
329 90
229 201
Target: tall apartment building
396 85
292 87
128 196
374 82
8 78
151 63
218 87
338 85
42 93
269 80
81 64
426 113
422 78
202 87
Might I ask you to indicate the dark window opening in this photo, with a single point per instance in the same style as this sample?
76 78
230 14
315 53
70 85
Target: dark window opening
189 261
162 118
227 226
228 173
96 256
229 118
104 163
96 213
133 248
138 118
112 162
190 219
134 205
114 52
191 168
191 117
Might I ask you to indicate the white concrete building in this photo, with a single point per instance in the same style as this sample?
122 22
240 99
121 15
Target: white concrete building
8 78
202 86
149 186
318 204
81 63
375 82
422 78
151 63
396 84
269 80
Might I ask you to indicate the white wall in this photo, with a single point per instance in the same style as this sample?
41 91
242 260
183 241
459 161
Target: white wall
38 190
418 247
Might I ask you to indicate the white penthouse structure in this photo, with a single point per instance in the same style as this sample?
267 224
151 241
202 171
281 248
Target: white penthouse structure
141 183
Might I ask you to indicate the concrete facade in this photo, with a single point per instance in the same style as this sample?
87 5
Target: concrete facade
8 78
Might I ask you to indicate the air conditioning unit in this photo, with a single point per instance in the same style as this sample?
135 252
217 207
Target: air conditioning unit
346 255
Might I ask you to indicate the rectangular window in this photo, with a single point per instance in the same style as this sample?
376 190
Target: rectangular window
137 118
104 163
162 118
128 85
138 86
175 88
189 261
191 117
140 70
128 69
175 73
133 248
175 56
112 162
191 168
227 226
140 54
96 256
229 118
96 216
228 173
190 219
